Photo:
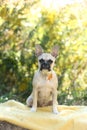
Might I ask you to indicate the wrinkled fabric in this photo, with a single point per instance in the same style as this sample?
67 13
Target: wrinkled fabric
69 117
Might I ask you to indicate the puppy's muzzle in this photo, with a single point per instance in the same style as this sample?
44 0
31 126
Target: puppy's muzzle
45 66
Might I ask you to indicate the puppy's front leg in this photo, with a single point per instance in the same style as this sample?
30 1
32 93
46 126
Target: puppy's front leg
34 106
54 96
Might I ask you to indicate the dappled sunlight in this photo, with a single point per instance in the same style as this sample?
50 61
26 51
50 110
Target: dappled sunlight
54 4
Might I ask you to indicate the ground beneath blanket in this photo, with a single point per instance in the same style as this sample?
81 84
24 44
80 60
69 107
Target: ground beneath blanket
7 126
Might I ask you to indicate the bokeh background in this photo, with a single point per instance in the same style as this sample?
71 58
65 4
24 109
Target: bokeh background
28 22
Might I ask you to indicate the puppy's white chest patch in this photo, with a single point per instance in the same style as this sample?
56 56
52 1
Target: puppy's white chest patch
44 91
45 84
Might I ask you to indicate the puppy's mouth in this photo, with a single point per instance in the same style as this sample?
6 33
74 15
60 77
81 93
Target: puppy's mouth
45 68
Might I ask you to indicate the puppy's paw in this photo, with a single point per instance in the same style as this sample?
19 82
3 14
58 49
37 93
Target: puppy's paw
55 111
33 109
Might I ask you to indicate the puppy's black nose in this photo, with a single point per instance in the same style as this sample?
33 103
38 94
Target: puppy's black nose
45 66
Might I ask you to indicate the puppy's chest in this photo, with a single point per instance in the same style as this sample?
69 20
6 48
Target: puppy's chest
45 83
45 87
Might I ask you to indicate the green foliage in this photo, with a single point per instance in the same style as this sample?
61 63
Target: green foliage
23 26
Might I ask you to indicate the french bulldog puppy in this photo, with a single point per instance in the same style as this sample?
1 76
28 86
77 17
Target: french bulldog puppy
45 81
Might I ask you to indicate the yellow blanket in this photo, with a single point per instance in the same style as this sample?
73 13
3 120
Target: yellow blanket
69 118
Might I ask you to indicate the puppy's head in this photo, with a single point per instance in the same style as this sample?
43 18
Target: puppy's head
46 60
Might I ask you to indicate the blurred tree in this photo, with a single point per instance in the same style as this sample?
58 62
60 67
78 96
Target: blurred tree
24 24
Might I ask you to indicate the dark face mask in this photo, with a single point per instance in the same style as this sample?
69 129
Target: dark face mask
45 64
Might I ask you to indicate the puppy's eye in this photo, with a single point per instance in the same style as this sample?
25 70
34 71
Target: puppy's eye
41 60
50 61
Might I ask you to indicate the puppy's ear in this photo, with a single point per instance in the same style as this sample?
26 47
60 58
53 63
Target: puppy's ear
38 50
54 52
